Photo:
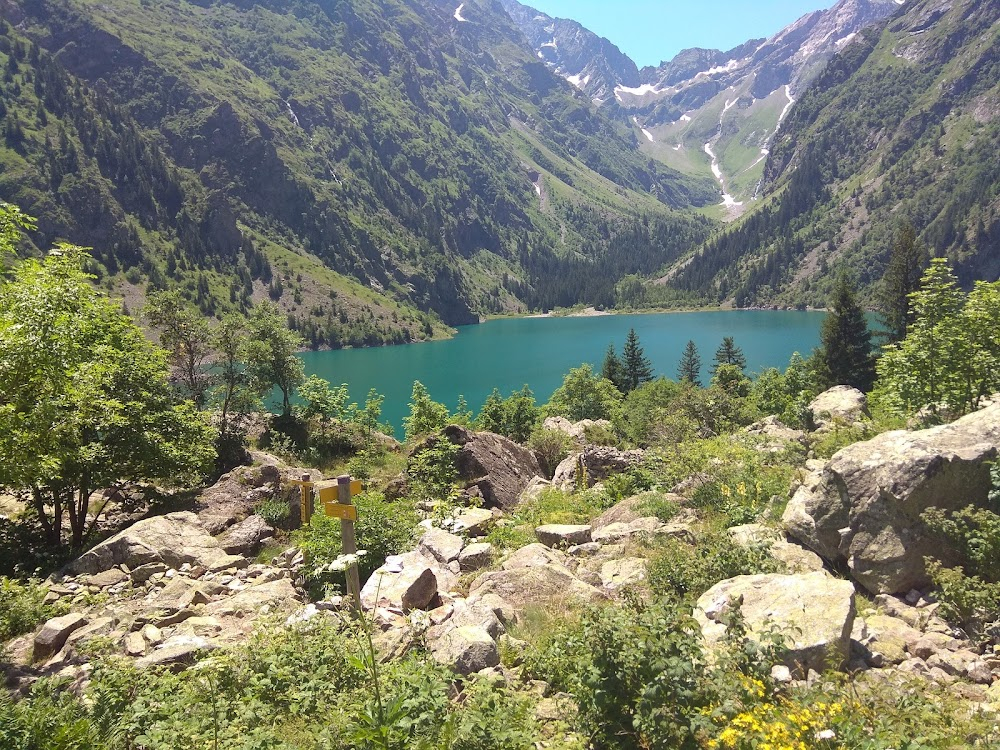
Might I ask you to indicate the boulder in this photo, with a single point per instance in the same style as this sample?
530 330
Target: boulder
273 596
534 489
617 574
246 537
53 634
576 430
534 555
135 645
473 522
842 402
466 650
107 578
890 637
441 545
493 467
562 535
775 434
864 507
551 586
173 539
814 612
405 582
633 508
176 653
476 556
797 559
598 462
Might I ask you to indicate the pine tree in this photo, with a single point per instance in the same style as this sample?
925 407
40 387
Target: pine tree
845 352
636 365
729 354
902 278
689 368
612 369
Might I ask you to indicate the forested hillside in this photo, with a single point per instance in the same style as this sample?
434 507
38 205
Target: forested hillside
424 156
902 128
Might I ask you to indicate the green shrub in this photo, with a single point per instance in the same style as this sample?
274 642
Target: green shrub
21 607
382 529
683 570
274 510
551 447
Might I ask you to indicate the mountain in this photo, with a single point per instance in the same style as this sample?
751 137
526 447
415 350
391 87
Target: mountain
706 111
364 163
902 127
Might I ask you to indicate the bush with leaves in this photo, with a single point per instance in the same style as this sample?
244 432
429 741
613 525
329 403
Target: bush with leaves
682 570
382 529
21 607
426 415
514 417
551 447
584 395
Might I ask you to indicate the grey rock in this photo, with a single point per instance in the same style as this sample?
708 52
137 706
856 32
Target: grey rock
842 402
410 584
814 612
548 585
499 469
466 650
135 645
473 522
441 545
246 537
562 535
618 574
173 539
176 653
476 556
864 508
53 634
107 578
534 555
597 462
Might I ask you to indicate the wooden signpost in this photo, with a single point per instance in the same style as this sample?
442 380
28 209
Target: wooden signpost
337 503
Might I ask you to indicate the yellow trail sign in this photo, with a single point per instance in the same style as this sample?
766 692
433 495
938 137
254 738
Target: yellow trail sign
343 512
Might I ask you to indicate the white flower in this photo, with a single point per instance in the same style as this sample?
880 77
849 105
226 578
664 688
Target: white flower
826 734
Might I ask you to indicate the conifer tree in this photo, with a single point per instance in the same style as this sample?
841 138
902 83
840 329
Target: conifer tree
689 368
729 354
901 279
845 352
637 368
612 369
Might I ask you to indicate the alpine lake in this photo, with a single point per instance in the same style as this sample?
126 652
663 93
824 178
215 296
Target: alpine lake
509 353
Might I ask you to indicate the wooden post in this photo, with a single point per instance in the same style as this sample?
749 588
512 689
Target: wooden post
350 542
299 513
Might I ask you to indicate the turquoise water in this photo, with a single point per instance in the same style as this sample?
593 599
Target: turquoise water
539 351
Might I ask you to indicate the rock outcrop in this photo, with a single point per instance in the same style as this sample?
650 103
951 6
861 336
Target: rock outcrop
842 402
863 509
598 462
814 612
495 469
173 539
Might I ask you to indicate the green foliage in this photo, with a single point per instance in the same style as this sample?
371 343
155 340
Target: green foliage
729 354
12 223
551 446
51 718
907 259
274 510
514 417
612 368
21 607
584 395
185 334
426 416
86 397
950 358
786 395
636 368
689 368
433 472
270 355
845 352
681 570
643 410
382 529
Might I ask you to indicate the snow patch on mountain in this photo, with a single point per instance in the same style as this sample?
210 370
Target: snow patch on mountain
579 81
458 14
649 136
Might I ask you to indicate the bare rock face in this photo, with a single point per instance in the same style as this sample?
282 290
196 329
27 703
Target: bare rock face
466 649
246 537
598 462
840 402
576 430
562 535
173 539
406 582
493 467
441 545
864 507
814 612
53 634
631 509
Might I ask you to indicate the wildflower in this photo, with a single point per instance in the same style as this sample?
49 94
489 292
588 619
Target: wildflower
826 734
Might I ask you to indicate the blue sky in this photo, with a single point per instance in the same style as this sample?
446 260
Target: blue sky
650 31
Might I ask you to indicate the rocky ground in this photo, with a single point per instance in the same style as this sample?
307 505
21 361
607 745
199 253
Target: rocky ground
172 586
